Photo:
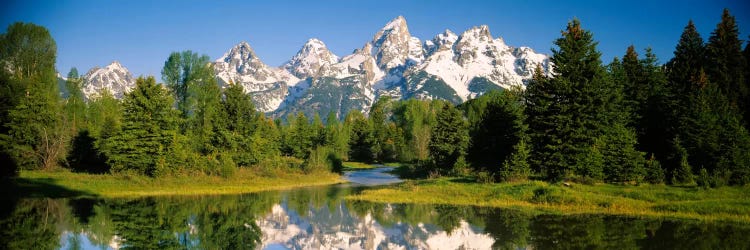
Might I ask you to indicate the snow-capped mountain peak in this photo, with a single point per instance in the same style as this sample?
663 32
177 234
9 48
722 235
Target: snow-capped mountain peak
114 78
392 45
268 85
442 41
313 56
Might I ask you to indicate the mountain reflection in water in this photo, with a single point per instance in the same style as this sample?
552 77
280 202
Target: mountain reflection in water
317 218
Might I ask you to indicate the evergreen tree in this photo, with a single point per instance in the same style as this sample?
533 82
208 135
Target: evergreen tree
449 140
148 131
360 137
684 70
265 141
499 137
378 123
576 114
240 122
337 136
683 173
727 65
657 116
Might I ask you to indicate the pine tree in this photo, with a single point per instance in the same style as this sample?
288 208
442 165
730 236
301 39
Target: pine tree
148 131
240 122
449 140
657 118
360 137
545 119
686 76
727 64
337 136
684 70
499 138
575 115
265 141
683 173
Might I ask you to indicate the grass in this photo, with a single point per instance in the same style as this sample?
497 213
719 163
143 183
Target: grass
353 165
245 180
730 204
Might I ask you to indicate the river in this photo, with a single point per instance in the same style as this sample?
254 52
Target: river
320 218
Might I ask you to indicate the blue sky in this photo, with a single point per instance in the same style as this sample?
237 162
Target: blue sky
141 34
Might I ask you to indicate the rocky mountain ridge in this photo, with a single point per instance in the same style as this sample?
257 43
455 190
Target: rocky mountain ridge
394 63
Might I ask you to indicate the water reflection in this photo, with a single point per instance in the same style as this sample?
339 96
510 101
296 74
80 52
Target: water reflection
372 177
319 218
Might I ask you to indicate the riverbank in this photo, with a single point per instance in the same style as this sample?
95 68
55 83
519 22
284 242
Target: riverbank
731 204
353 165
245 180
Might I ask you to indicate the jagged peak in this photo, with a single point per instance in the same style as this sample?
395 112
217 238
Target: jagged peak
446 37
242 50
481 32
313 46
395 23
115 65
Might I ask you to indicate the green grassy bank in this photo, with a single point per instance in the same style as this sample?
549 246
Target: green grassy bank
719 204
245 180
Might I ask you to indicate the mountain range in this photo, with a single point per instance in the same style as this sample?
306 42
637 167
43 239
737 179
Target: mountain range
394 63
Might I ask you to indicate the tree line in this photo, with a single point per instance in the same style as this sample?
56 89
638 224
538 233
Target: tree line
632 120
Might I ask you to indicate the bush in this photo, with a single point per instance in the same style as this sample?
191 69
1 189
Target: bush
704 180
654 172
322 159
550 195
485 177
227 167
460 168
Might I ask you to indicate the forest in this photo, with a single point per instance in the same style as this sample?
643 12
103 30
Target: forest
630 121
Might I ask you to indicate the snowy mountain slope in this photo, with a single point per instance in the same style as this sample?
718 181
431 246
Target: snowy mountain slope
114 78
268 86
310 59
449 66
394 63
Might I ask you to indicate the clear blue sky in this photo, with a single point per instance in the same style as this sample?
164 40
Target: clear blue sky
141 34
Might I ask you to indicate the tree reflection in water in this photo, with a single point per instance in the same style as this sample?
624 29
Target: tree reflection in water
320 217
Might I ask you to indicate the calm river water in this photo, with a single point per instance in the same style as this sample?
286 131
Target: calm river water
319 218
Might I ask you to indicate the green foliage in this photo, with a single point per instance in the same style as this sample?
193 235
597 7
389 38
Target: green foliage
575 116
415 118
299 137
322 159
386 137
149 128
499 134
181 71
683 174
360 138
449 140
337 136
654 171
726 65
33 135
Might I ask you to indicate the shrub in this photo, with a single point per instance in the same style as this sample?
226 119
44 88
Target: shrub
485 177
322 159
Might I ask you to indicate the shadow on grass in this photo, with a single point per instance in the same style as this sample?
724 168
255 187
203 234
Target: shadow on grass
19 188
13 190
